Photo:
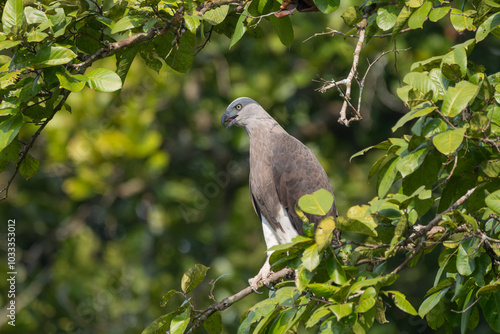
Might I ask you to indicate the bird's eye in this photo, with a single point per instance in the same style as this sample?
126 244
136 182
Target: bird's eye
238 107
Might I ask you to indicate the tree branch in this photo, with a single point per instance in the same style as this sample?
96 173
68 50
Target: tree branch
111 48
228 301
417 236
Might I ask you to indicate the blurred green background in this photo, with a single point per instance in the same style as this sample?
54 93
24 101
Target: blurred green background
136 188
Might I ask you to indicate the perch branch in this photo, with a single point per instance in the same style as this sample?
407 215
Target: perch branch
228 301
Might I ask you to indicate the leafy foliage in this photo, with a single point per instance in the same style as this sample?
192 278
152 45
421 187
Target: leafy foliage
437 186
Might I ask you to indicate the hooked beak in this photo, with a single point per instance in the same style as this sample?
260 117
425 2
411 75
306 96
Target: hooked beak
226 118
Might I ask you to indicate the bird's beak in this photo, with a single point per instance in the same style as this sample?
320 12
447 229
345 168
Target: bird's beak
226 117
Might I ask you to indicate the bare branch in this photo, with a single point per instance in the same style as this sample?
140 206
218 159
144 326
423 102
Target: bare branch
228 301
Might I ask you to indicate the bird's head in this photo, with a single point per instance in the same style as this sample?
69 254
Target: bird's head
239 111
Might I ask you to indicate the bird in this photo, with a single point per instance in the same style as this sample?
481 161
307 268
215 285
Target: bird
282 170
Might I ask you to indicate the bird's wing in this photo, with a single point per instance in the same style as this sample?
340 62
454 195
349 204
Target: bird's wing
297 172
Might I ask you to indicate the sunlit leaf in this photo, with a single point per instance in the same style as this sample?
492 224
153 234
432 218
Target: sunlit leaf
341 310
417 19
52 56
401 302
448 142
324 232
239 30
431 301
317 203
12 15
493 201
9 128
310 257
71 82
487 26
386 17
457 98
438 13
103 80
216 15
180 323
367 300
194 276
127 23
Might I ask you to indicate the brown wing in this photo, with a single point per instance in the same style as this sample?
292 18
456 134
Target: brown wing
297 172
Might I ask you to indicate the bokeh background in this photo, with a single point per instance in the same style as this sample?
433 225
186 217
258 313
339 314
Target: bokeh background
136 188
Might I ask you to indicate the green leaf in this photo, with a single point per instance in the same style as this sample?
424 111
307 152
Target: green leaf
192 22
327 6
73 83
180 323
410 162
490 305
213 324
180 58
161 323
127 23
283 27
448 142
387 176
8 44
12 15
341 310
488 289
319 314
11 152
418 18
414 113
29 167
492 201
217 15
367 300
310 257
414 3
124 59
403 17
166 297
103 80
239 30
335 270
461 20
9 128
465 263
459 57
421 81
351 16
53 56
487 26
401 302
431 301
317 203
324 232
193 277
438 13
34 16
386 17
457 98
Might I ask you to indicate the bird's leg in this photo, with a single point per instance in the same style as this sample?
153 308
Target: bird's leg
262 276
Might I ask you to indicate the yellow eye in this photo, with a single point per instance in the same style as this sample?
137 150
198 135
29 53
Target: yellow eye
238 107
